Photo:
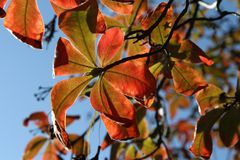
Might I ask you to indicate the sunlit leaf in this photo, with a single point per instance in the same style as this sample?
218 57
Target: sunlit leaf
68 60
202 143
25 22
130 152
120 132
148 146
186 80
75 24
63 95
132 79
33 147
160 33
228 127
2 12
66 5
116 150
50 153
108 100
143 128
109 45
118 7
40 119
209 97
79 145
107 141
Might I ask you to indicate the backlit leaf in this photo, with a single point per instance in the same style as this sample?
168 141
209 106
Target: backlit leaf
63 95
186 80
143 128
228 127
160 33
67 4
2 12
120 132
209 97
74 23
50 153
109 44
107 141
25 22
108 100
40 119
130 152
33 147
118 7
68 60
79 145
202 143
132 79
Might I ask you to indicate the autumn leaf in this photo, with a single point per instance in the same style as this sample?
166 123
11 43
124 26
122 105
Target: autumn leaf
50 152
209 97
79 33
228 127
202 143
122 8
68 60
186 80
33 147
63 95
120 132
40 119
23 19
108 46
107 141
71 118
130 152
79 145
2 12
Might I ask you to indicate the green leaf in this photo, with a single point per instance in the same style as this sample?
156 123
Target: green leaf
33 147
228 127
74 23
202 143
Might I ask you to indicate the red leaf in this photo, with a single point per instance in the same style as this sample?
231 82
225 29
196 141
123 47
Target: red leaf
40 119
106 142
68 60
132 79
118 7
63 95
187 80
2 12
109 101
24 20
33 147
50 153
202 143
109 44
120 132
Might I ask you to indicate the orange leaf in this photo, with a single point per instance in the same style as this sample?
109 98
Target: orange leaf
80 34
63 95
118 7
79 145
132 79
50 153
71 118
108 100
2 12
68 60
65 5
209 97
228 127
202 143
109 44
40 119
106 142
33 147
187 80
120 132
24 20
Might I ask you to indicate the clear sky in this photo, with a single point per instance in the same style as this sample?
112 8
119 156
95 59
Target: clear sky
22 70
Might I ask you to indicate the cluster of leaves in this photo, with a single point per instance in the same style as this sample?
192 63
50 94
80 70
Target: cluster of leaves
123 62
